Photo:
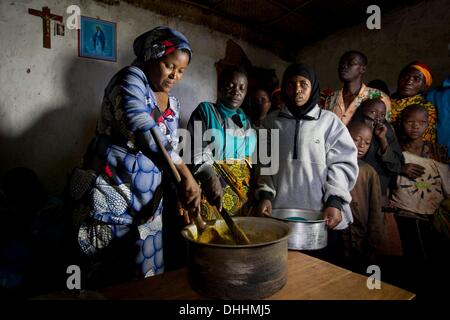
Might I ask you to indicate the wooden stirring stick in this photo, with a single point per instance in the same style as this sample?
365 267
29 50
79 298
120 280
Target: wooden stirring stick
199 222
238 235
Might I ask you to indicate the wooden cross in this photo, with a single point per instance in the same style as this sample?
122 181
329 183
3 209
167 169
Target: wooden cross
46 19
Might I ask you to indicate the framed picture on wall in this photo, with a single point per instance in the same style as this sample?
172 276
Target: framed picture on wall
97 39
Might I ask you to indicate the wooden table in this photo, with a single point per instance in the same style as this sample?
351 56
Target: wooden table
308 278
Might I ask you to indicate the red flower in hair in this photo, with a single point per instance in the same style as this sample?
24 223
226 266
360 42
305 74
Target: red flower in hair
167 43
170 46
170 50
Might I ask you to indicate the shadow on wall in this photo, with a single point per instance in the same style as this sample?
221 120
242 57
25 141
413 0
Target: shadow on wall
56 142
186 93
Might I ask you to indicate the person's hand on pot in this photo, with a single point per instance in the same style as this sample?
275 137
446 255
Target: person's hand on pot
264 208
332 216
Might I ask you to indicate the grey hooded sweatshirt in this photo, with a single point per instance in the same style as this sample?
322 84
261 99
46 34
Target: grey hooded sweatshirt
317 160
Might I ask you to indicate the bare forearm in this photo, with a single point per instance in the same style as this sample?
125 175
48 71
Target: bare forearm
183 170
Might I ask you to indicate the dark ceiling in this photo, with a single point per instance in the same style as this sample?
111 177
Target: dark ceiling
281 26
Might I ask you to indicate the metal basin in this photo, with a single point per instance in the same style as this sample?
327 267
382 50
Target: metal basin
255 271
309 231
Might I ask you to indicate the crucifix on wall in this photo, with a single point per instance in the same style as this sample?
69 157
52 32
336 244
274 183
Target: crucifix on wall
46 19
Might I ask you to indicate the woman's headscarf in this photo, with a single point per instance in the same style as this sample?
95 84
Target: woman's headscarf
314 98
423 69
158 42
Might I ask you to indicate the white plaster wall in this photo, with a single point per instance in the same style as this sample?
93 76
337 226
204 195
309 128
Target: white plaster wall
420 32
48 116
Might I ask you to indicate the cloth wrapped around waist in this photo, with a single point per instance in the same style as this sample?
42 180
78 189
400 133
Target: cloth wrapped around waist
235 176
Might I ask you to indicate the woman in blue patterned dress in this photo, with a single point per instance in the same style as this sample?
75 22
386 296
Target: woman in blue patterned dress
117 190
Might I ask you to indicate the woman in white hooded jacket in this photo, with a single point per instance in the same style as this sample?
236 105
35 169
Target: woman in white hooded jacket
318 164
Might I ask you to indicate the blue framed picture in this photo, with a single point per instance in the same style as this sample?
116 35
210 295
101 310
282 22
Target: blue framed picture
97 39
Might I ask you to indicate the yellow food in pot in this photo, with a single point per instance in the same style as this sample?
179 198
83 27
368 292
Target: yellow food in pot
220 234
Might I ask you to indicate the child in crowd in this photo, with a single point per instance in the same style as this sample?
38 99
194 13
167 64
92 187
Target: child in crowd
384 154
363 238
424 185
422 198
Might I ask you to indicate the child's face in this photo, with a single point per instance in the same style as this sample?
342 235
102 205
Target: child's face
375 111
414 124
362 138
298 90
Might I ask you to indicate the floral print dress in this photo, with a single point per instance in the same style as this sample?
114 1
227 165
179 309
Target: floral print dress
118 181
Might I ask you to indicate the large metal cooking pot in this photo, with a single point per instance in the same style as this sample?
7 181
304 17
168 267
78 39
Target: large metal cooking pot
309 231
253 271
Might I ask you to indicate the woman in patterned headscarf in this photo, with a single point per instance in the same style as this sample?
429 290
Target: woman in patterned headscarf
117 190
413 82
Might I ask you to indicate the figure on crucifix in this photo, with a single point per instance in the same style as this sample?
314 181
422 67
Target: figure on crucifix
46 19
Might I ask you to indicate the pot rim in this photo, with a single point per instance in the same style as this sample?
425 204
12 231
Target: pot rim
294 221
234 246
